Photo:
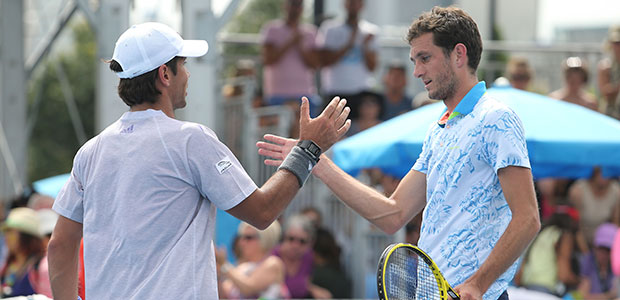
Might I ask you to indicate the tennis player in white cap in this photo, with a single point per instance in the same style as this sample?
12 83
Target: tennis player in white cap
143 192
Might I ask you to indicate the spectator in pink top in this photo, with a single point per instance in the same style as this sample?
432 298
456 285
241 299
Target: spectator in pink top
615 255
290 58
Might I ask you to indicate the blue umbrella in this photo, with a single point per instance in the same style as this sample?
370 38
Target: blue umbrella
563 139
51 186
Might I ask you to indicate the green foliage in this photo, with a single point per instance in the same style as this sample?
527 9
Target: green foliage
250 19
53 141
254 15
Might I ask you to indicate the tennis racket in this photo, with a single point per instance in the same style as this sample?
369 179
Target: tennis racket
406 272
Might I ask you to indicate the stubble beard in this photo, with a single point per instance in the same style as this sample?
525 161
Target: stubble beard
183 97
448 85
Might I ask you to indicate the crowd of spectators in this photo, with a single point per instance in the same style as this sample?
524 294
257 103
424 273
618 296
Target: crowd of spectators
26 231
577 252
342 53
571 256
300 261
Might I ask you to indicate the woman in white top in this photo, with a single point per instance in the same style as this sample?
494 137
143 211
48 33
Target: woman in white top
261 274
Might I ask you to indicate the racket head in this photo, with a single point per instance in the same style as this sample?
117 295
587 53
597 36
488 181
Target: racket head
406 272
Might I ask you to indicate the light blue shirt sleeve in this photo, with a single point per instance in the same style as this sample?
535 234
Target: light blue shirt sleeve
504 141
421 164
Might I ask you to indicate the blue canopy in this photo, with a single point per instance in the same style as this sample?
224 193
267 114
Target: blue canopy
563 139
51 186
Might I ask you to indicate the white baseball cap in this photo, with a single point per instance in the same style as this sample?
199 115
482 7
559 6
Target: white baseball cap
47 221
144 47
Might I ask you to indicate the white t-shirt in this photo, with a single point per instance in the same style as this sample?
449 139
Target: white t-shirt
145 190
466 211
349 75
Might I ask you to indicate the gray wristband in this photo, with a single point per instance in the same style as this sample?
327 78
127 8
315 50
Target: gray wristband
299 163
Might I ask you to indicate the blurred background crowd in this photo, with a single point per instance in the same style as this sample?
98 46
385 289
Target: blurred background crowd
273 54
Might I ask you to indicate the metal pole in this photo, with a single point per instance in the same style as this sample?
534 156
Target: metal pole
493 19
45 44
11 167
12 95
319 11
113 19
199 22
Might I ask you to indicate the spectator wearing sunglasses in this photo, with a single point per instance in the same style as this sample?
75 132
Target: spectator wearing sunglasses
519 73
296 252
261 274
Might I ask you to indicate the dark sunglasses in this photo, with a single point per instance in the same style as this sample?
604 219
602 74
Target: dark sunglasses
291 239
520 77
248 237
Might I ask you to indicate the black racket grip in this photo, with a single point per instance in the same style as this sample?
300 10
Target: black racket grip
453 294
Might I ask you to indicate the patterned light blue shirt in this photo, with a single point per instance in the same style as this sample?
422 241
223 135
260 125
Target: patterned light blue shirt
466 212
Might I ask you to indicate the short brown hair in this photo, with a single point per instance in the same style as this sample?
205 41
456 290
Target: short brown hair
142 88
449 26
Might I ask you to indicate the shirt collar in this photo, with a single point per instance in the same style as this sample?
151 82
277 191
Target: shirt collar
466 105
141 114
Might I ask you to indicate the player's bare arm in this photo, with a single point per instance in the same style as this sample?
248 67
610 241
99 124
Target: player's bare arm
389 214
518 187
63 258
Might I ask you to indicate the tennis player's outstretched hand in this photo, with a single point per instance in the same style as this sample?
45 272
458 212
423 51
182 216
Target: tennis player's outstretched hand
332 124
277 150
328 127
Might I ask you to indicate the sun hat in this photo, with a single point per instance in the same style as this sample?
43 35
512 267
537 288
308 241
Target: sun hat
614 34
24 220
47 221
144 47
604 235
